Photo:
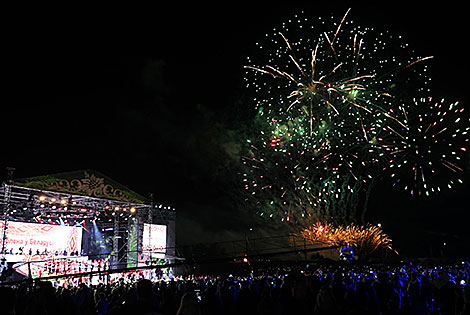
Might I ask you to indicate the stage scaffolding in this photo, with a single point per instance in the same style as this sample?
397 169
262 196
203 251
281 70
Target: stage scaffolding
54 206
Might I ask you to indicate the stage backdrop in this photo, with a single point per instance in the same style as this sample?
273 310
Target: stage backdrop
42 236
154 240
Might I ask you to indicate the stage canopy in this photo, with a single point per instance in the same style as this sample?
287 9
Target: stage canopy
89 183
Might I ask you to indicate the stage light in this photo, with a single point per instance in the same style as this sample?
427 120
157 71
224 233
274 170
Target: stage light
116 208
379 225
63 201
53 200
42 198
132 210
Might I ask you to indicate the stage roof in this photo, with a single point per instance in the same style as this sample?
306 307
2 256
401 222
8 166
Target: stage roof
89 183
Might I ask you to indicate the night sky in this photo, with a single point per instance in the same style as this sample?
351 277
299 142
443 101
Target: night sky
151 96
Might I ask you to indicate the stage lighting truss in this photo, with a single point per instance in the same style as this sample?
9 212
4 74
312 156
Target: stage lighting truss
28 204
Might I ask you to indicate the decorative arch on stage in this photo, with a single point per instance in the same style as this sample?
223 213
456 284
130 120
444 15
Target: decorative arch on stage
88 183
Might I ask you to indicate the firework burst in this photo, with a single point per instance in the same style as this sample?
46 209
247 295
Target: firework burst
430 151
333 101
332 94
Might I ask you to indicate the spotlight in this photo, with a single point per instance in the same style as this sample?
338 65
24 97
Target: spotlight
116 208
347 253
42 198
132 210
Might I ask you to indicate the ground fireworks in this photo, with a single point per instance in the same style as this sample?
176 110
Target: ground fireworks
364 239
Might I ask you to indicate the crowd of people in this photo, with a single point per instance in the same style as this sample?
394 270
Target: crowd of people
52 266
22 251
341 289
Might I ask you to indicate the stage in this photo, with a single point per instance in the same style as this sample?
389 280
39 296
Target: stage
79 222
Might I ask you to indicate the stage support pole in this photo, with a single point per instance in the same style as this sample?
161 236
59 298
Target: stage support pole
6 201
149 221
116 242
132 241
140 233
